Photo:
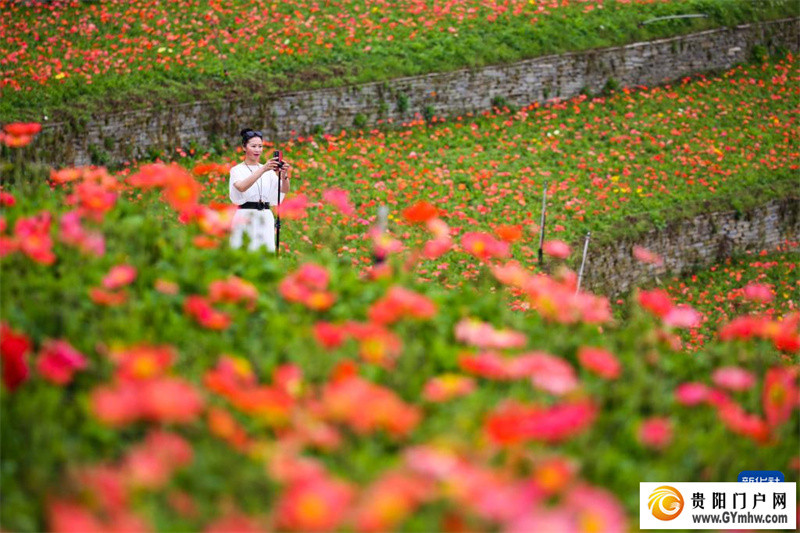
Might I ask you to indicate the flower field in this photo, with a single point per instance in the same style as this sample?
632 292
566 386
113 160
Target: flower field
66 58
155 379
758 284
614 166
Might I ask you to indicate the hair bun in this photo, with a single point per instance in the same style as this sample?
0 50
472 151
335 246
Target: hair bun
244 131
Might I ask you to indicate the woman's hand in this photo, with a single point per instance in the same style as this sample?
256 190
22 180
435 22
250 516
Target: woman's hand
272 164
284 171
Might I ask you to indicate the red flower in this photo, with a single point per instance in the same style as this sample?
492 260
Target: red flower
656 302
513 422
741 422
14 346
58 362
655 432
200 309
19 129
7 199
781 395
600 361
19 134
33 238
329 335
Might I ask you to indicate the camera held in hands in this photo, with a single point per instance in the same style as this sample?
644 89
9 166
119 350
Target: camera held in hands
277 155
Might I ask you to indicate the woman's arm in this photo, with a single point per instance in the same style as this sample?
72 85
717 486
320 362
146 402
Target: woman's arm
244 184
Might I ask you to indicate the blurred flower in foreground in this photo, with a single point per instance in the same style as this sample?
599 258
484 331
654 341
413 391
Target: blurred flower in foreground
19 134
14 346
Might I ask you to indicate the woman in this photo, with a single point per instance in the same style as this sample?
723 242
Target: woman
254 188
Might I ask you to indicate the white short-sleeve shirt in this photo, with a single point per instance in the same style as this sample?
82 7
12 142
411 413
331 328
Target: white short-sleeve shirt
266 186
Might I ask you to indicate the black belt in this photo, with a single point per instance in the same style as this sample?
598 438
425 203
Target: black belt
255 205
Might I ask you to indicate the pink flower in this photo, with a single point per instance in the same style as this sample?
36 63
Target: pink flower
483 246
733 378
480 334
600 361
58 362
682 316
119 276
643 255
595 509
691 393
294 208
556 248
655 432
339 199
759 292
547 372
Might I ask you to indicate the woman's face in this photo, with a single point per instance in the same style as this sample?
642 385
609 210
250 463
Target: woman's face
253 148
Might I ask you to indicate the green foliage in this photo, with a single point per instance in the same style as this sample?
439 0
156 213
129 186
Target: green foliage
360 121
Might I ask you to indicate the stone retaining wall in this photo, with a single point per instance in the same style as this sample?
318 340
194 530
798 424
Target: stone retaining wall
693 243
118 137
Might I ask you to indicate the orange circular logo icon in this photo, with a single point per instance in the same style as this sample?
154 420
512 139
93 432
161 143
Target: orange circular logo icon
666 503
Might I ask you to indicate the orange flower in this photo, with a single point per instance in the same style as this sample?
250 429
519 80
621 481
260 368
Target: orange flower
314 504
222 424
509 233
142 362
109 298
446 387
181 191
400 302
233 290
420 212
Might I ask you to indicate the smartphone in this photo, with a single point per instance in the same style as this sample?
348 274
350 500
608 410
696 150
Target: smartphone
277 155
